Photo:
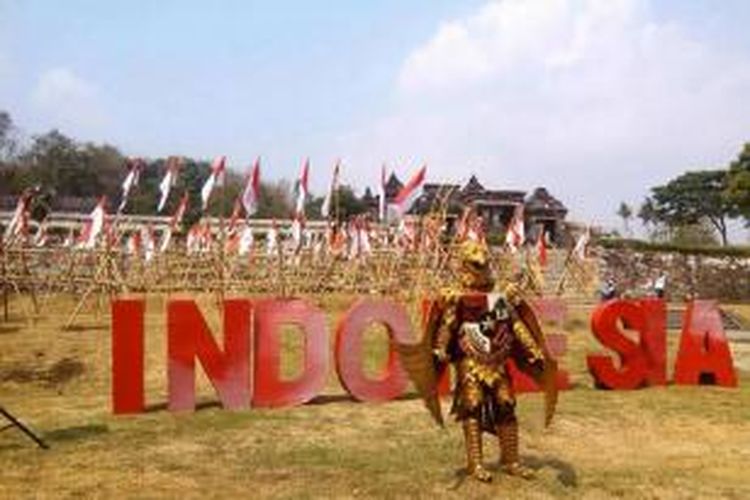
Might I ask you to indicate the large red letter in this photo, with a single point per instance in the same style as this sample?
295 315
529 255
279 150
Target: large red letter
269 389
703 347
190 337
654 340
127 356
633 370
393 381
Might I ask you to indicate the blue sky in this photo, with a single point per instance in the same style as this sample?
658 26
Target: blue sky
596 99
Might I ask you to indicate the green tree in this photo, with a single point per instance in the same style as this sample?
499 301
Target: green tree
8 144
694 197
738 185
625 213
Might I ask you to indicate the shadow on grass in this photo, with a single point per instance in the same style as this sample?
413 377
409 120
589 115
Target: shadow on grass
200 405
566 474
76 433
85 328
9 329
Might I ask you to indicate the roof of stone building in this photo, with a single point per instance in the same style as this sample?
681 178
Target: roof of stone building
392 186
541 201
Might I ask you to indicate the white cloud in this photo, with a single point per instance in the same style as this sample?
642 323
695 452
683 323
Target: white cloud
594 98
68 101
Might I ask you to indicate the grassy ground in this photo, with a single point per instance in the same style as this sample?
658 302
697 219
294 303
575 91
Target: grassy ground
672 442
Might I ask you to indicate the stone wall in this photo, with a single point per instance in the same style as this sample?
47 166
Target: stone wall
725 278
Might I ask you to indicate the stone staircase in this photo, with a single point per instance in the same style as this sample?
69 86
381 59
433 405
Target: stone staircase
581 281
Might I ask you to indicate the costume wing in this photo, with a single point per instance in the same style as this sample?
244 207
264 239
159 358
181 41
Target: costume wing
420 364
548 376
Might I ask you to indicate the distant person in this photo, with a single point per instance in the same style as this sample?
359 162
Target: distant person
660 285
608 290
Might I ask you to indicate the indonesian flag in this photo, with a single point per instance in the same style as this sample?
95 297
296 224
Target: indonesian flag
193 239
297 233
134 166
580 250
300 188
96 223
542 249
251 194
166 239
246 241
19 222
364 239
235 217
179 213
149 244
325 209
133 245
169 180
215 178
515 235
410 192
381 192
272 239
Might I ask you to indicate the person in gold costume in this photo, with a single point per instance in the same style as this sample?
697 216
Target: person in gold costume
478 331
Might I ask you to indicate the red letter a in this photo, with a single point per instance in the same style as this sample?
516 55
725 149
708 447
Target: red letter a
703 347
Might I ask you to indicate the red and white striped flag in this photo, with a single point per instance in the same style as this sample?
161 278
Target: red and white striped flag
542 248
215 178
580 250
19 222
251 194
134 166
179 213
168 181
96 223
381 195
325 208
235 217
410 192
300 189
515 236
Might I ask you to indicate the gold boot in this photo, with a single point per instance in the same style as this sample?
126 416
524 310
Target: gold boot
473 443
507 434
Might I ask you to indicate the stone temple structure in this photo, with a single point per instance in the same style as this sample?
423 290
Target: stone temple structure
496 206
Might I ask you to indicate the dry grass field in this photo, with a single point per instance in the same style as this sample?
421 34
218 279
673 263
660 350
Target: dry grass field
671 442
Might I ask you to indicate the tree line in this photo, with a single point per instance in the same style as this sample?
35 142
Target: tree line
696 206
72 175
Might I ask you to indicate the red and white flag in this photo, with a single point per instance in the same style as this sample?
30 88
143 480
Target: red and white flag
300 189
541 246
96 220
179 213
251 194
381 195
272 238
515 236
215 178
19 222
134 166
133 244
325 208
410 192
580 250
168 181
148 241
235 217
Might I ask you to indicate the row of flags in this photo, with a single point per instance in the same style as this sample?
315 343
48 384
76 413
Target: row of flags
249 200
250 196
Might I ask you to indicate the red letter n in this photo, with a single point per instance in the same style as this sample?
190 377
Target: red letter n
190 337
